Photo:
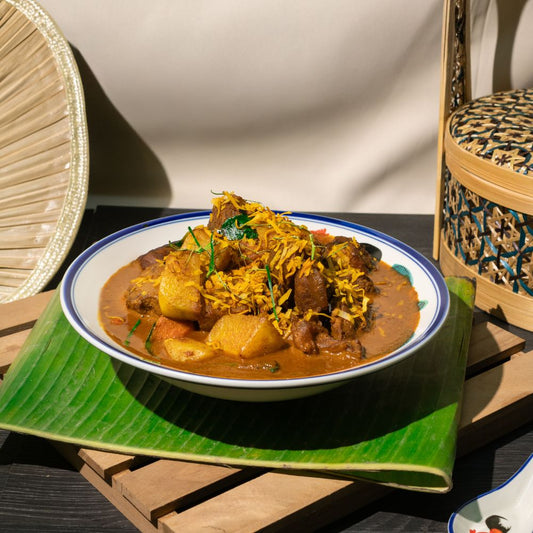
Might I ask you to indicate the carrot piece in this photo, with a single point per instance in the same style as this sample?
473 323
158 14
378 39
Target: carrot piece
321 236
167 328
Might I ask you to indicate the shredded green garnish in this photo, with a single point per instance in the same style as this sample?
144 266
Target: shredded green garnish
132 331
200 249
271 289
313 247
148 342
212 268
274 368
176 245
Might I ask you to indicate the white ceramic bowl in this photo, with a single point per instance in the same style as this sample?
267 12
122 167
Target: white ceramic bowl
505 508
87 274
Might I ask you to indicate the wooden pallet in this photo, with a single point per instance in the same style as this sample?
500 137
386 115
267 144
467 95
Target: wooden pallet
171 496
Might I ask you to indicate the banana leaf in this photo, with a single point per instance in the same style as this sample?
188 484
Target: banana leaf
396 427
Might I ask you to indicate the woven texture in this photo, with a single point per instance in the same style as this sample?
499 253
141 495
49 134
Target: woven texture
43 149
491 239
498 128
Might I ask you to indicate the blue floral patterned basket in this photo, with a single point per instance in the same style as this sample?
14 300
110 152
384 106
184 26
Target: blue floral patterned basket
487 202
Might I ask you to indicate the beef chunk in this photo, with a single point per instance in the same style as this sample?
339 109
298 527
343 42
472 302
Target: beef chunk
367 284
210 314
327 343
219 216
303 336
153 256
354 256
310 291
142 296
342 329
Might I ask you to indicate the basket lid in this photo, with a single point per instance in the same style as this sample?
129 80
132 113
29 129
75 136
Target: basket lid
44 162
491 138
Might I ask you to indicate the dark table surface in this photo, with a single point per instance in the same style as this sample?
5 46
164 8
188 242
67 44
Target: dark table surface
40 491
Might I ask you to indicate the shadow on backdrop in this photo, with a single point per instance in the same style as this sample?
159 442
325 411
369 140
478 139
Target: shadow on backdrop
123 168
509 13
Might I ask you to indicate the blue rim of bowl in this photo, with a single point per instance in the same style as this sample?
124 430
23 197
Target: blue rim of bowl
73 316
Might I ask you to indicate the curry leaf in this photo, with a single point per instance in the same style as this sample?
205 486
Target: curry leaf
271 289
132 331
235 228
212 267
148 342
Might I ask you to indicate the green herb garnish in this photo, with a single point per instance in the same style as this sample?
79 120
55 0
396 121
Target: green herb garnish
275 367
148 341
132 331
176 245
200 249
235 228
313 247
212 268
271 289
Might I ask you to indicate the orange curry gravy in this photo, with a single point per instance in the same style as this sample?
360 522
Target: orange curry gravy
395 317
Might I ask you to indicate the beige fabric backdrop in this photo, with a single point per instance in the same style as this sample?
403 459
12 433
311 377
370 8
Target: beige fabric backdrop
303 105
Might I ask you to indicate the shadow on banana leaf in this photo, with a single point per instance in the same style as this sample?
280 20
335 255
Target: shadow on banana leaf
365 409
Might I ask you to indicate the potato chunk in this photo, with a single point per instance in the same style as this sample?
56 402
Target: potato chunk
188 350
245 335
225 254
201 238
179 297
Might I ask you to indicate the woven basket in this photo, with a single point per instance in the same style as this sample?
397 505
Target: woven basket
484 212
43 149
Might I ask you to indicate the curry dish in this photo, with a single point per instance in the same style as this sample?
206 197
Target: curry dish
252 295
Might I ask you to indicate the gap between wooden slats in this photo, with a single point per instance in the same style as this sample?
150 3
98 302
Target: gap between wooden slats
490 344
23 313
106 464
496 401
166 485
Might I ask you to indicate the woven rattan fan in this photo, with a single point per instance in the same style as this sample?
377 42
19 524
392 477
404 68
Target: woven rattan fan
43 149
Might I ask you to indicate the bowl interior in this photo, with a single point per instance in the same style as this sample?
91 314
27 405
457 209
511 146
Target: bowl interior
89 272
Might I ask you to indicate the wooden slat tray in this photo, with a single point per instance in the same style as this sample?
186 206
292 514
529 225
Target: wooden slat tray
171 496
